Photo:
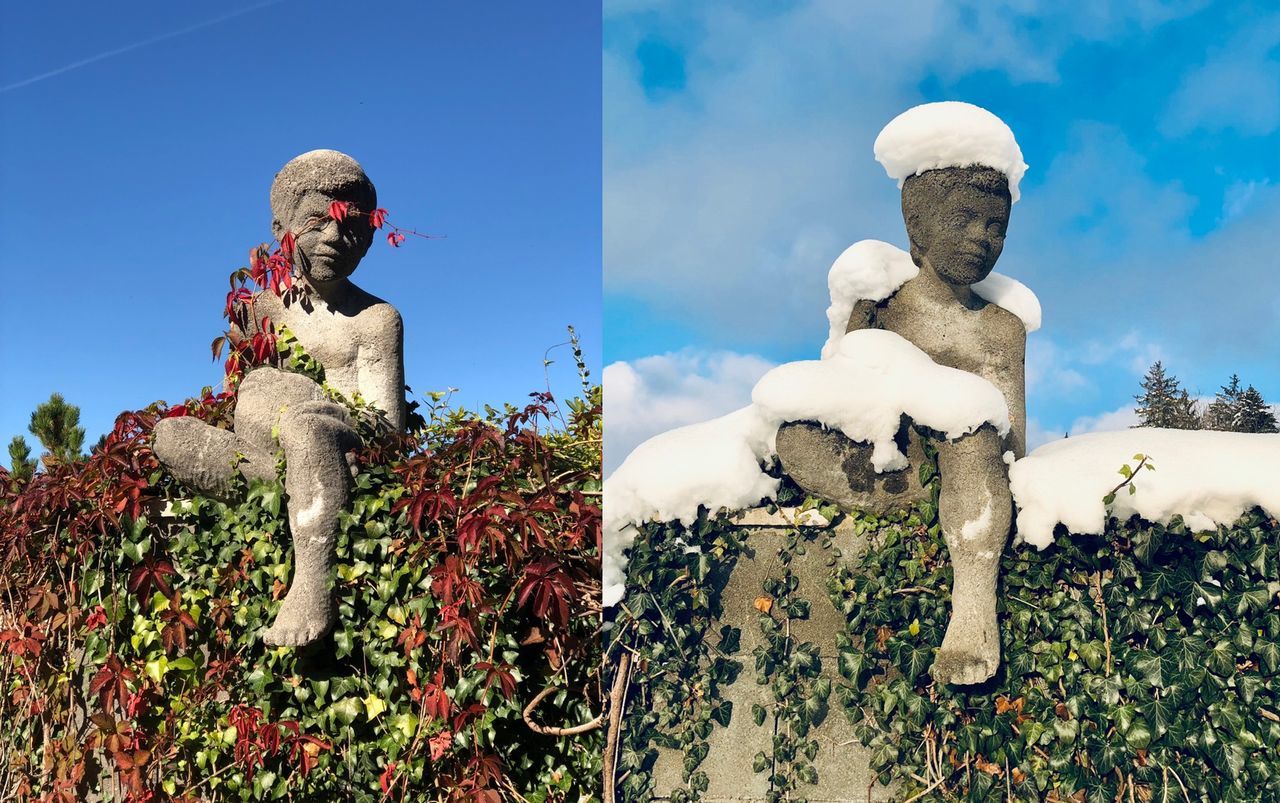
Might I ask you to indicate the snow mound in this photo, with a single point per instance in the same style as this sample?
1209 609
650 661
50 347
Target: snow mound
949 134
872 270
873 379
666 478
1208 478
1013 295
868 270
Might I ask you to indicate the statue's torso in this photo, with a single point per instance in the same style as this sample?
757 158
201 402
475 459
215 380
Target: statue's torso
340 341
989 342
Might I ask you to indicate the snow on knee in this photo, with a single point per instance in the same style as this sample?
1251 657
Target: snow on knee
1208 478
872 380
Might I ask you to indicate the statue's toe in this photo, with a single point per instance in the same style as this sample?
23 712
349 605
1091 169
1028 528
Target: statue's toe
970 652
300 622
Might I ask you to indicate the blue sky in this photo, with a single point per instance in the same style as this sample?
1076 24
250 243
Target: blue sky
132 184
738 164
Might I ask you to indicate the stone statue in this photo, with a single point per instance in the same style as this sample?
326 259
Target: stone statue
956 219
359 341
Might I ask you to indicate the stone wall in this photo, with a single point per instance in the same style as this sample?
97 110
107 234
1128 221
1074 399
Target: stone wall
841 763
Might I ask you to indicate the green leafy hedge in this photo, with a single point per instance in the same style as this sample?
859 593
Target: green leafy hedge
1141 662
1137 665
131 666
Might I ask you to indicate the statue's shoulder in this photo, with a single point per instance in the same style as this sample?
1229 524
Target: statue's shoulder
1004 318
907 296
380 317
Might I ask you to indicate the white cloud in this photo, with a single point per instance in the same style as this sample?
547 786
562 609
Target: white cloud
1048 369
1239 196
1120 418
1037 435
654 394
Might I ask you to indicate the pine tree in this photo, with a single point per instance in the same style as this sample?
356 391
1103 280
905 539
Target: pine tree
1253 414
1185 413
1220 413
56 424
1163 403
21 466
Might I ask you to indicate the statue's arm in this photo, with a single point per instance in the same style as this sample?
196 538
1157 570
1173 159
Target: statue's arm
1018 404
381 366
863 316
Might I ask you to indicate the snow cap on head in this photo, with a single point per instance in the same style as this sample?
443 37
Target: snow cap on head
949 134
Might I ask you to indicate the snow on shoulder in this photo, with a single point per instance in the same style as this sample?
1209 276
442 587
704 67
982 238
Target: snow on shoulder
868 270
1013 295
872 270
716 463
873 379
949 134
1208 478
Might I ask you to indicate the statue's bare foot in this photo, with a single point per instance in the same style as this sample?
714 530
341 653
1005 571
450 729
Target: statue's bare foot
970 651
304 619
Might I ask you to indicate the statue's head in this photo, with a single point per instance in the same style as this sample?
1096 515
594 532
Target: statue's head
327 250
956 219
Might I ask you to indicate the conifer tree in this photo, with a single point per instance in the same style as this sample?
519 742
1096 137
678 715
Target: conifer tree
56 424
1253 414
1163 403
1220 413
1185 413
21 466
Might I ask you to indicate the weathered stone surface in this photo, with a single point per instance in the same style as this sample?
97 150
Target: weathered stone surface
975 509
842 764
357 338
826 463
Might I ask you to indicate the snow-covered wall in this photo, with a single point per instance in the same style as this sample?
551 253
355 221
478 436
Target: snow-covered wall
1207 478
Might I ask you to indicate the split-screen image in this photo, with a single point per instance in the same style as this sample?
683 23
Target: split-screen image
639 401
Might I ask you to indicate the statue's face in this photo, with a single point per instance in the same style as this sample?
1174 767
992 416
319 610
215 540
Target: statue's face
962 236
328 250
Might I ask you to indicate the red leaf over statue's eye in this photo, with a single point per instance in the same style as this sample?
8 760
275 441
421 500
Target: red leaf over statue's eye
286 245
395 239
338 210
377 217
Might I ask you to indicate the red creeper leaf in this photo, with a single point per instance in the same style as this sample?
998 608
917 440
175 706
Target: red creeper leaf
338 210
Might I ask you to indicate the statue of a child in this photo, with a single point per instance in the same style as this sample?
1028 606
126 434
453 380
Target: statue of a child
359 341
956 219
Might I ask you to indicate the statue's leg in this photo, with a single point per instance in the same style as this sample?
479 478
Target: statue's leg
975 509
265 395
207 458
316 441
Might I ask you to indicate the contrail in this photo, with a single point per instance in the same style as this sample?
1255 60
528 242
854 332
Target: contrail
75 65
